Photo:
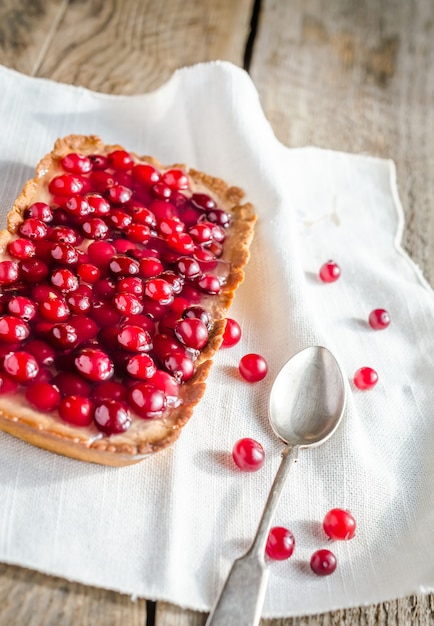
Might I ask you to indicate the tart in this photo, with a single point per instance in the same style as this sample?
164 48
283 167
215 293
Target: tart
116 275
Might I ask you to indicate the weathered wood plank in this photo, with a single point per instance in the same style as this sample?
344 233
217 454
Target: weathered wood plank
356 76
128 47
30 598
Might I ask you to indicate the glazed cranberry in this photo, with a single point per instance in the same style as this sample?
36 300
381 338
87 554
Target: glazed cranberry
76 163
63 336
100 253
93 364
170 226
33 270
64 253
175 281
123 246
179 305
248 454
104 313
139 233
142 215
64 234
145 173
134 339
339 524
13 329
99 161
54 309
78 302
22 307
76 410
200 233
192 332
147 401
64 280
70 384
253 367
163 210
166 383
122 265
379 319
141 366
21 366
231 334
119 194
365 378
218 233
209 283
120 160
198 312
159 290
101 181
78 206
21 248
161 190
7 385
329 272
179 365
41 211
203 201
68 185
88 272
112 417
108 390
99 206
43 396
128 304
280 543
323 562
104 289
43 353
33 229
132 284
95 228
143 321
188 268
181 243
176 179
219 217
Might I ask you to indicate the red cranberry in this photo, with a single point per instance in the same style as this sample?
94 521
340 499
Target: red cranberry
112 417
163 210
78 302
159 290
104 313
95 365
33 270
122 265
54 309
170 226
176 179
119 194
43 353
128 304
21 366
253 367
68 185
64 234
280 543
70 384
179 365
43 396
181 243
76 410
134 339
198 312
88 272
41 211
22 307
147 401
192 332
78 206
248 454
167 383
200 233
64 253
120 160
99 206
104 289
203 201
339 524
379 319
188 267
232 333
64 280
33 229
323 562
7 385
139 233
209 284
21 248
13 329
131 284
99 161
95 228
9 272
161 190
141 366
329 272
76 163
100 253
365 378
63 336
145 173
108 390
142 215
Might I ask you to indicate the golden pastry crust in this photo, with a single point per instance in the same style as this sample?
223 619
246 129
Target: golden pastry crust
148 436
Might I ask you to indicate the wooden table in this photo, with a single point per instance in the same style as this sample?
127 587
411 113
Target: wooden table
351 75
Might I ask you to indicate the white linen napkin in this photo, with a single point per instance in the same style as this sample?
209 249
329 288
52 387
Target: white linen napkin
170 527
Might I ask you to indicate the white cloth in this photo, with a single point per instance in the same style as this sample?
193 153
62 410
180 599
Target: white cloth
170 527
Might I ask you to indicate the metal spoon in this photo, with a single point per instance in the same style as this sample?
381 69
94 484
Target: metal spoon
307 402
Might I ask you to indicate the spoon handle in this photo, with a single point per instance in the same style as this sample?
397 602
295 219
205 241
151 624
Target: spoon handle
242 597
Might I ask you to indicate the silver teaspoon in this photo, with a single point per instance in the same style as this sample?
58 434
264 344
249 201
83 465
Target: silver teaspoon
306 405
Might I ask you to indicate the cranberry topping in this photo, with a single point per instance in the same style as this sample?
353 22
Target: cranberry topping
105 287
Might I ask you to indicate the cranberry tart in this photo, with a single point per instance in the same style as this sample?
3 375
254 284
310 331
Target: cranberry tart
116 274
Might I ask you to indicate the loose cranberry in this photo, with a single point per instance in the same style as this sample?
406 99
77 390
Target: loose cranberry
112 417
33 229
232 333
13 329
209 284
54 309
323 562
176 179
339 524
100 253
93 364
33 270
365 378
70 384
21 366
43 396
108 390
179 365
192 332
76 410
76 163
253 367
248 454
41 211
329 272
379 319
68 185
64 279
147 401
280 543
9 272
141 366
134 339
21 248
7 385
22 307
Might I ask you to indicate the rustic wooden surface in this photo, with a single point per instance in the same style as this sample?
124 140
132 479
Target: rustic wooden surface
351 75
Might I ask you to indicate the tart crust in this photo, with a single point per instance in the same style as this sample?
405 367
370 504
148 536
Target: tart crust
145 436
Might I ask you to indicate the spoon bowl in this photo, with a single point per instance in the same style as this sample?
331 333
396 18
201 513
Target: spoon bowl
306 406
